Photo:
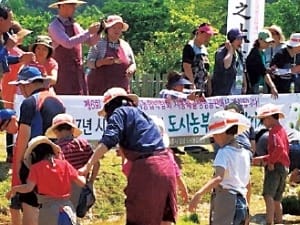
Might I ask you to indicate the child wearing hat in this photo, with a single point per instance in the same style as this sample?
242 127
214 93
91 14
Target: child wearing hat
276 161
51 178
232 170
76 150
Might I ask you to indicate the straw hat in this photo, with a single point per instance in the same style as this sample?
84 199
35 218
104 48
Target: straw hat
18 30
114 92
294 40
33 143
114 19
223 120
59 119
268 110
278 30
61 2
28 74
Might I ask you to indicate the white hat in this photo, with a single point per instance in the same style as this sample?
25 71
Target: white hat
223 120
33 143
114 19
61 2
59 119
294 40
114 92
268 110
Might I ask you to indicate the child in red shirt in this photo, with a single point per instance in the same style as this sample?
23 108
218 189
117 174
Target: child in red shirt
51 178
276 161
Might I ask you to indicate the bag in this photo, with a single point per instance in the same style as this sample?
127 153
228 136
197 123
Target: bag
86 200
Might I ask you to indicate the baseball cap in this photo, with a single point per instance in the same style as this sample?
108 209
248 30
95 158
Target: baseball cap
234 34
265 35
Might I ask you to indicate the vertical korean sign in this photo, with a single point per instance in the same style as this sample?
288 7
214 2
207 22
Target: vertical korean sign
248 15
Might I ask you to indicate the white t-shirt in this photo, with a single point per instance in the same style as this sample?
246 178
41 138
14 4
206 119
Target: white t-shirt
236 163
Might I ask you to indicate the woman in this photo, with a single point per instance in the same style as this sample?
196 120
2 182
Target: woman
256 65
142 143
232 170
43 50
111 60
52 179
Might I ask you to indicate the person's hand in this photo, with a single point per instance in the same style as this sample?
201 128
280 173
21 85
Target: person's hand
228 46
108 60
130 71
27 57
194 202
11 193
83 171
94 28
274 92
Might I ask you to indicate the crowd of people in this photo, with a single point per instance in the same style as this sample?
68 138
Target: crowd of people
48 142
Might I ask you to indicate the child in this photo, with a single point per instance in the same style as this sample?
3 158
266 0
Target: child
76 150
51 178
232 170
276 162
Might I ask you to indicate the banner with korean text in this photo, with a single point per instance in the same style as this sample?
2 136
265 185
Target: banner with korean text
185 121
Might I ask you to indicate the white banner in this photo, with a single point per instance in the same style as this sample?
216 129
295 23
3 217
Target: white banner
248 15
185 121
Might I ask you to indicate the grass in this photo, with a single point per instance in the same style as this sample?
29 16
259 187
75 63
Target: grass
109 208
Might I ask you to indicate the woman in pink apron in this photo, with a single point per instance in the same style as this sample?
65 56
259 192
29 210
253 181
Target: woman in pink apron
111 60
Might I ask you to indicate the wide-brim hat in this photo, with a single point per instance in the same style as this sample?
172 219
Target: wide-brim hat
60 119
33 143
114 92
269 110
223 120
42 40
28 74
294 40
61 2
114 19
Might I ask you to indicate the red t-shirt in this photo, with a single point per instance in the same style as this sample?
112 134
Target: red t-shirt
53 181
278 146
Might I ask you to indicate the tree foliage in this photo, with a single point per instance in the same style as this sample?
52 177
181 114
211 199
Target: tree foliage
158 28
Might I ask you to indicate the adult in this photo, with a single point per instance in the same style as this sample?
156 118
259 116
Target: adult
256 65
276 162
8 91
142 144
175 88
229 77
36 113
111 60
6 22
277 44
284 63
195 63
232 170
68 37
43 50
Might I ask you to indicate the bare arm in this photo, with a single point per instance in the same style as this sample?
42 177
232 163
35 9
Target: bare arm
187 68
182 188
80 181
229 56
268 80
214 182
100 150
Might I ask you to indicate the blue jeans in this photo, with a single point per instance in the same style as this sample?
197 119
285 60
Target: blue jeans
241 210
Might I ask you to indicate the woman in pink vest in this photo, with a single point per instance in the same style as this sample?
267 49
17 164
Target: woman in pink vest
111 60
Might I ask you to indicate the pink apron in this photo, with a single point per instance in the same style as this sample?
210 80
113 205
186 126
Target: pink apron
105 77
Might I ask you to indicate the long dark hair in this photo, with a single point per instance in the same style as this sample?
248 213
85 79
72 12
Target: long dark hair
116 103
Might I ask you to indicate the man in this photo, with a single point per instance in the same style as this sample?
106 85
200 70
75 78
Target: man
68 37
36 114
195 64
229 77
6 17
